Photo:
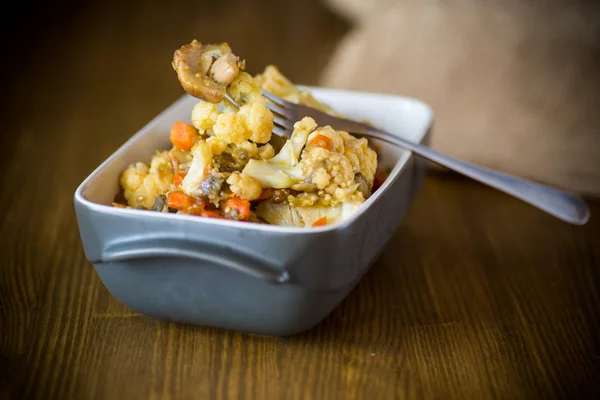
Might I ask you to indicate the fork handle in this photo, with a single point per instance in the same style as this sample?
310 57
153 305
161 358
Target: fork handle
561 204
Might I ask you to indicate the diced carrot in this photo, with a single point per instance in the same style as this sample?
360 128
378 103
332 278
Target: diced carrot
322 141
179 200
265 194
240 205
195 209
210 214
178 178
321 221
183 135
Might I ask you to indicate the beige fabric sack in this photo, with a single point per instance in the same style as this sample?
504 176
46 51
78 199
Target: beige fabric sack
514 86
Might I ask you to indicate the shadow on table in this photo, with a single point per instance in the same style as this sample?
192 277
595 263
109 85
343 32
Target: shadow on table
12 378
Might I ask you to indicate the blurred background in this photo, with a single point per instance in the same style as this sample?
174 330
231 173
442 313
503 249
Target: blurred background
97 71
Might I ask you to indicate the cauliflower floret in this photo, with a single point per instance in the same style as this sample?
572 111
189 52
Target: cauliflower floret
259 120
244 186
282 171
160 163
257 117
321 178
217 145
337 142
302 129
362 157
265 152
204 115
243 86
141 184
231 128
199 169
348 194
134 176
328 170
244 151
273 81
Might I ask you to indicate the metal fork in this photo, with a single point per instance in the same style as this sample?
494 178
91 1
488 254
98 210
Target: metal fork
561 204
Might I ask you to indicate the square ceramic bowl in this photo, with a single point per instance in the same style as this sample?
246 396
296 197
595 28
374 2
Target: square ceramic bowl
254 278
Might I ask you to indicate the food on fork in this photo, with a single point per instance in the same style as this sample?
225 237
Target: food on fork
226 163
204 71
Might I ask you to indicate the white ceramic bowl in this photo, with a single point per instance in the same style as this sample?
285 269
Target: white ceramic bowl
255 278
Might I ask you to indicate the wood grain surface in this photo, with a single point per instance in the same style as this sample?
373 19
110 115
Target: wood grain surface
478 296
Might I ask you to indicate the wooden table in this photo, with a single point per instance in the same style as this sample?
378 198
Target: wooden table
479 296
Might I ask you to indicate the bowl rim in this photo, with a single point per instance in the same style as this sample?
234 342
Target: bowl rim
79 198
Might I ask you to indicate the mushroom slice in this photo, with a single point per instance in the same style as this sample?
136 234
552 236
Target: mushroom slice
200 75
225 69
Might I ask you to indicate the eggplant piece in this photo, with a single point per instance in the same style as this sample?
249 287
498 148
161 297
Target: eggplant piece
363 185
160 201
211 186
